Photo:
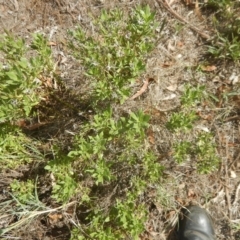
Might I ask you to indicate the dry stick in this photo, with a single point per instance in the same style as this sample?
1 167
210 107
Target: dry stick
142 90
169 9
197 11
236 195
226 186
234 161
232 118
227 181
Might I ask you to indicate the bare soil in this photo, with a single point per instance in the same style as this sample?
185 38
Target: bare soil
172 64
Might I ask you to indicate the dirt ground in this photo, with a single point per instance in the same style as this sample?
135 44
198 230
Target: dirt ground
172 64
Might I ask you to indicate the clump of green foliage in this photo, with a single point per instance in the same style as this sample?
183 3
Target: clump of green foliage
19 93
125 220
114 56
109 150
227 23
21 71
108 155
19 75
218 4
16 148
23 191
202 148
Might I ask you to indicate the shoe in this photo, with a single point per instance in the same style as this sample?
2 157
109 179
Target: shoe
196 225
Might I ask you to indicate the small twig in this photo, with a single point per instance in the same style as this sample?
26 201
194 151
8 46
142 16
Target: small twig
226 188
167 109
236 221
197 11
165 4
236 197
232 118
219 192
234 161
227 178
142 90
15 4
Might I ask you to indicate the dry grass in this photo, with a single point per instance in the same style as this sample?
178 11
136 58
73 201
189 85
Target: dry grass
172 64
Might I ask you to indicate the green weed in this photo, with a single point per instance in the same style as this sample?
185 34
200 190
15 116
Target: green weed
19 92
227 23
201 148
16 148
64 185
110 149
226 48
96 151
192 95
19 77
182 151
23 191
207 159
124 220
182 121
219 4
115 58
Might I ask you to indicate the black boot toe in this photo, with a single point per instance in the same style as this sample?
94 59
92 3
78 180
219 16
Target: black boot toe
196 224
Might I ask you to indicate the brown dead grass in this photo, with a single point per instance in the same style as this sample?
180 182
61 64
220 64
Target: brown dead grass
171 65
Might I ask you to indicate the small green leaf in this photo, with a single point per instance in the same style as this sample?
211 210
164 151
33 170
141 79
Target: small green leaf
12 75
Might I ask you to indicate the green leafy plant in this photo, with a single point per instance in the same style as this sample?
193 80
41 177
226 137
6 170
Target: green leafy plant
109 153
16 148
117 56
235 227
182 121
201 147
226 20
23 191
131 217
226 49
19 92
65 186
109 149
19 83
181 151
192 95
218 4
95 151
124 220
208 160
